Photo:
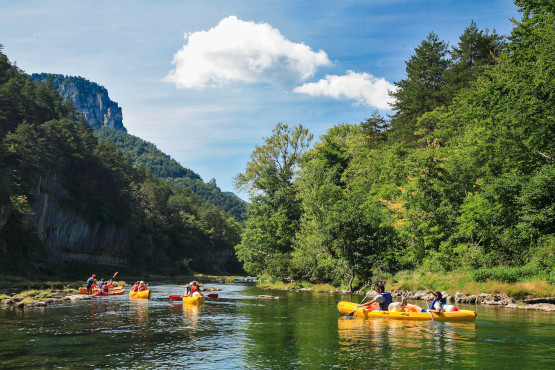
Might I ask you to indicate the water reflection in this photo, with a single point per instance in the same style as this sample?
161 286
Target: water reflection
138 315
405 341
191 314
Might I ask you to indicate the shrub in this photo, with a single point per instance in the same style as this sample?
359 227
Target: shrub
504 274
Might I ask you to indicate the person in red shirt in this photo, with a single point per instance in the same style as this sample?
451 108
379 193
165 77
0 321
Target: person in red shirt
142 286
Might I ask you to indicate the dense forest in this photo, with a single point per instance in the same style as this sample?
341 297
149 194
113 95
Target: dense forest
460 177
147 155
44 140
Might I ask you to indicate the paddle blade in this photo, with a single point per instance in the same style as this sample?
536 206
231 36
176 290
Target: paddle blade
175 297
212 295
114 275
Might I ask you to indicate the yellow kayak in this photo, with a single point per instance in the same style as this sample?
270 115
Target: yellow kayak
197 300
345 308
143 294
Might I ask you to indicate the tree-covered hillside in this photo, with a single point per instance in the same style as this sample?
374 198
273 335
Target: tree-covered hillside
461 177
53 168
146 154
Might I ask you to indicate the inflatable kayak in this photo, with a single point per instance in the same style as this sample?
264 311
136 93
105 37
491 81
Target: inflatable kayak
143 294
345 308
83 289
196 299
98 293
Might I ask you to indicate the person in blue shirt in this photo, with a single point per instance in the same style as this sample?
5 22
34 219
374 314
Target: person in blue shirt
383 298
90 282
437 304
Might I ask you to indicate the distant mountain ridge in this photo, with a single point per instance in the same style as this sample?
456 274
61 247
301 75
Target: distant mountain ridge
146 154
105 116
90 98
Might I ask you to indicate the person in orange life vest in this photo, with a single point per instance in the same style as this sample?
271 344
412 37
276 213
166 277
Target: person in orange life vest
90 282
135 287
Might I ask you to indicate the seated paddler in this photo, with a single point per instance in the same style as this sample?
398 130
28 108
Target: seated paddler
383 299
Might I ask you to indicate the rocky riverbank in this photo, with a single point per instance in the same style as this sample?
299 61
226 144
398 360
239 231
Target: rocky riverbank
501 300
18 303
544 304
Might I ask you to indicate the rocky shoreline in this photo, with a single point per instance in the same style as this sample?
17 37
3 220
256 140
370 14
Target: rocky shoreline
501 300
16 303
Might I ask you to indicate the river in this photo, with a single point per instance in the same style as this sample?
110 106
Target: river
237 331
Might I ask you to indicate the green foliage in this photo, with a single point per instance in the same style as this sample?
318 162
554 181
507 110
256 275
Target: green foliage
45 147
504 274
274 212
461 178
147 155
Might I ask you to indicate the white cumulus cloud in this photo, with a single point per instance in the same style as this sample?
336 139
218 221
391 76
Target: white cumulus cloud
362 87
249 52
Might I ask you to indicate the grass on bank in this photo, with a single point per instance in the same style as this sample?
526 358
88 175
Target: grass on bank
466 283
498 281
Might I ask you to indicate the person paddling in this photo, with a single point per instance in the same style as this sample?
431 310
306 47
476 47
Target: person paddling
142 286
437 304
90 282
383 298
194 288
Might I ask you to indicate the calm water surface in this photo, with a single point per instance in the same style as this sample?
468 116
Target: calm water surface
300 330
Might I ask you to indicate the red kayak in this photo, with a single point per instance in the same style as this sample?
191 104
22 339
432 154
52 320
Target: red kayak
99 293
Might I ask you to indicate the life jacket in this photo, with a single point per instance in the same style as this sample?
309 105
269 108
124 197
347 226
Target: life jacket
135 288
443 302
388 299
142 287
194 289
105 288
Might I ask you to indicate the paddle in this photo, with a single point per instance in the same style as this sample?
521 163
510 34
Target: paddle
367 294
431 314
180 296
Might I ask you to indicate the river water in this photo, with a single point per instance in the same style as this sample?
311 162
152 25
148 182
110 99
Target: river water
237 331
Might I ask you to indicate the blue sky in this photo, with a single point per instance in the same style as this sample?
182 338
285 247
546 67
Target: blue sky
206 81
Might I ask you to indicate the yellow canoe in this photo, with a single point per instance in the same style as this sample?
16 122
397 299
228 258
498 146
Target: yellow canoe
143 294
346 308
197 300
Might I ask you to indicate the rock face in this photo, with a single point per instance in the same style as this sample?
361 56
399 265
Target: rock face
70 236
88 97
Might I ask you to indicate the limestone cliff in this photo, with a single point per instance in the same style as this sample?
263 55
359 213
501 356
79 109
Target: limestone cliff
70 236
88 97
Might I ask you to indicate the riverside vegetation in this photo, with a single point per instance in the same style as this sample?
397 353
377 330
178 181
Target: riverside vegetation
458 183
67 195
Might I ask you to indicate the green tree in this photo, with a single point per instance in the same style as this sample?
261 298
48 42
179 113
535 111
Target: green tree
476 49
274 212
423 90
